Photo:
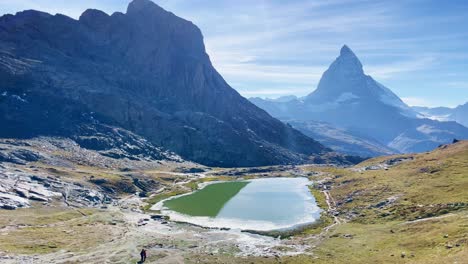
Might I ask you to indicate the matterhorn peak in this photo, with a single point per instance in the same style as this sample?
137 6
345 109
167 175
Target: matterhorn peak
344 76
345 50
347 63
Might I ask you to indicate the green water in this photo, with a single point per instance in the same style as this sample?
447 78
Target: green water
206 202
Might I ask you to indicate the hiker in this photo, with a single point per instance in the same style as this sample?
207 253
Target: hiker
143 255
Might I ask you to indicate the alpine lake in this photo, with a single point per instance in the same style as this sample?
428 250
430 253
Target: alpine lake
259 205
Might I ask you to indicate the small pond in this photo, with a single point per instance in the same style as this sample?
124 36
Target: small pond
258 204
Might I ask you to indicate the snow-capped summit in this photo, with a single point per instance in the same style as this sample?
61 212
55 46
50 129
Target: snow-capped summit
346 82
347 61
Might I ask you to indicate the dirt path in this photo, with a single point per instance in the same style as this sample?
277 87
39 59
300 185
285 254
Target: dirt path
331 210
315 240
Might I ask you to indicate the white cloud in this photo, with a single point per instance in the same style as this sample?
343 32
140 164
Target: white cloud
458 84
273 93
393 69
417 101
271 73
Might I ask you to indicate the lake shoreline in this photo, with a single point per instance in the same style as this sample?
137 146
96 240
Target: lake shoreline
307 212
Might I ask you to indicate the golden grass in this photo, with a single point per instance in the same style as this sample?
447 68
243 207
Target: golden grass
46 230
432 188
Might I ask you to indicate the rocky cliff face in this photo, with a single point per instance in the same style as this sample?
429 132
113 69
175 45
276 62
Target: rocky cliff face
145 71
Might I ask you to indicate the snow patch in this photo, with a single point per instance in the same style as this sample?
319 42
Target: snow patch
232 223
427 129
434 117
346 97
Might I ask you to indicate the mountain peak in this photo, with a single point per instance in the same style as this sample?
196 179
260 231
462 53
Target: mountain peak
138 6
345 77
348 55
346 82
93 18
347 62
345 50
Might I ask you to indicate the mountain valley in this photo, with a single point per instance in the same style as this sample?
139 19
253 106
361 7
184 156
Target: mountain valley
121 143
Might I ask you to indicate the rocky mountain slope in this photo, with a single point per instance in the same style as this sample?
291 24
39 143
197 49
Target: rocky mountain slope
340 139
46 169
146 72
349 99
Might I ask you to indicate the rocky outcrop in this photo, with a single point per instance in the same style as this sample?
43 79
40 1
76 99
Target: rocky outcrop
119 143
12 202
145 71
19 156
18 189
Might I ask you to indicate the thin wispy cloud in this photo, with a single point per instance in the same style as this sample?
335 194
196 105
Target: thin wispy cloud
420 101
389 70
458 85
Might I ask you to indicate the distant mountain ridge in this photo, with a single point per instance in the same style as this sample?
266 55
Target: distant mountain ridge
145 71
338 138
349 100
458 114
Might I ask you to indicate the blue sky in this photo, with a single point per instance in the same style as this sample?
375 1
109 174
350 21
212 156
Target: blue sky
270 48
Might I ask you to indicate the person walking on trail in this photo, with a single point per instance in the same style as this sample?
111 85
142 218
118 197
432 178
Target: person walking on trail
143 255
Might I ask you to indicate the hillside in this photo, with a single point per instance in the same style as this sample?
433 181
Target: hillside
408 208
